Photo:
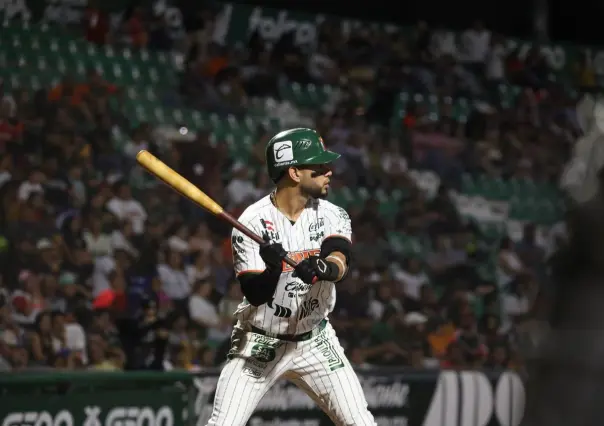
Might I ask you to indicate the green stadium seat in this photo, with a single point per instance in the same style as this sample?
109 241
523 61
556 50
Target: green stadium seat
388 205
461 110
468 185
492 230
493 188
508 94
343 197
524 188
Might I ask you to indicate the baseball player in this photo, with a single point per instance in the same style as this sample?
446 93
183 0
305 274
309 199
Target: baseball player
282 330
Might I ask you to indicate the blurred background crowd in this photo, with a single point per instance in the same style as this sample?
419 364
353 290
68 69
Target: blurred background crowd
452 147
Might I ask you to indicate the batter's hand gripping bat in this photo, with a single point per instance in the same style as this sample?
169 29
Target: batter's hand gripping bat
185 188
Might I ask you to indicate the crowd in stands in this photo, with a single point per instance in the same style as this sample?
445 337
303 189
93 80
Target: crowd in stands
100 273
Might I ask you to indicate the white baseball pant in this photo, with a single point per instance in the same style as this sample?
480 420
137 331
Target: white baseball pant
318 366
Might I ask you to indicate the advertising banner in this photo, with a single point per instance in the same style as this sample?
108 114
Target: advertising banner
396 398
93 399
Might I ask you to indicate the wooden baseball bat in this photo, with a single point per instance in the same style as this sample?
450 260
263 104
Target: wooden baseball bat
185 188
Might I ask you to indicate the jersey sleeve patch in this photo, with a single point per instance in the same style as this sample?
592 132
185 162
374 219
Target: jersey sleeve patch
340 225
246 256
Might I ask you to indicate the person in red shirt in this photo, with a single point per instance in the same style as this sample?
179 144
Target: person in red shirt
96 24
135 28
10 130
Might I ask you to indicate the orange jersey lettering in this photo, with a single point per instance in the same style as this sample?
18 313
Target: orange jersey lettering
299 256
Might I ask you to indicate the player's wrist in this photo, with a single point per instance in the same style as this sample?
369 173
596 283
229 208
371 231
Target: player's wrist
327 269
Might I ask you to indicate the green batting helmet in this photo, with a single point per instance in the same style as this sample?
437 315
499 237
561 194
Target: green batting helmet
296 147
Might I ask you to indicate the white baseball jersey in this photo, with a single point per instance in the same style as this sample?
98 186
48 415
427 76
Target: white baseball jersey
296 307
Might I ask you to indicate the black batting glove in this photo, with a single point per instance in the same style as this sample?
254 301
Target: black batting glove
305 272
315 269
272 254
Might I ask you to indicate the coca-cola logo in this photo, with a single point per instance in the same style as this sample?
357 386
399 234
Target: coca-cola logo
317 225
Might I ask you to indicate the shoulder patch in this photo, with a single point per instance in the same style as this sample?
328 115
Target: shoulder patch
342 214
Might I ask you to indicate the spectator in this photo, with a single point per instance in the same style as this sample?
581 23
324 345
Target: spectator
96 24
200 239
174 280
509 265
124 207
32 185
200 269
98 243
240 189
517 302
178 241
383 300
44 346
411 278
204 313
133 29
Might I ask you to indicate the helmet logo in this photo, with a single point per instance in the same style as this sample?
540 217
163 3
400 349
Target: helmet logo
283 151
304 144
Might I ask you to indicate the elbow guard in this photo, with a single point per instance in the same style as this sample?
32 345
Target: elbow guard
340 244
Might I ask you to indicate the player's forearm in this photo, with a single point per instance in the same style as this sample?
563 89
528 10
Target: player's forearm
259 288
339 260
337 250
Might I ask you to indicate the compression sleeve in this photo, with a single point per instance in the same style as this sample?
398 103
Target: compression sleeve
259 288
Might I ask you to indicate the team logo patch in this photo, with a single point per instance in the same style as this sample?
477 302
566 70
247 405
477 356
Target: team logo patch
269 228
296 289
307 307
263 353
283 152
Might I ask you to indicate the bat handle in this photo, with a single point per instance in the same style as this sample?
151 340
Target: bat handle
252 235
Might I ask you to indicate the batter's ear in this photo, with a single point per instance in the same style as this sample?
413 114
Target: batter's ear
294 174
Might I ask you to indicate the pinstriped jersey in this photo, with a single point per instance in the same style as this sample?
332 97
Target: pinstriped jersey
296 307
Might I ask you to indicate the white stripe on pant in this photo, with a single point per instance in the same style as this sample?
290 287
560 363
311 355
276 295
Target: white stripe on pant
317 366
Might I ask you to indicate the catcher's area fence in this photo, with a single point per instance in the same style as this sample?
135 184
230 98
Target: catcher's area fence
397 397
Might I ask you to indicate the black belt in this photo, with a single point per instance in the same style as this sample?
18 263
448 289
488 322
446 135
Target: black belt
293 337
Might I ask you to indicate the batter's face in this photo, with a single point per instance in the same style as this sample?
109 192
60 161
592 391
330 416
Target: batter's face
314 180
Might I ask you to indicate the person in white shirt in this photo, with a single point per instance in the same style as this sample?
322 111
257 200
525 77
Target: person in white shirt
137 143
495 69
383 299
509 265
393 162
174 280
124 207
444 43
200 269
103 266
517 302
201 239
412 278
241 187
476 42
121 238
205 314
179 239
6 167
98 243
32 185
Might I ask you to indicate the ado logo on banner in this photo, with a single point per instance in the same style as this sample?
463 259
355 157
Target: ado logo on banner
468 398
